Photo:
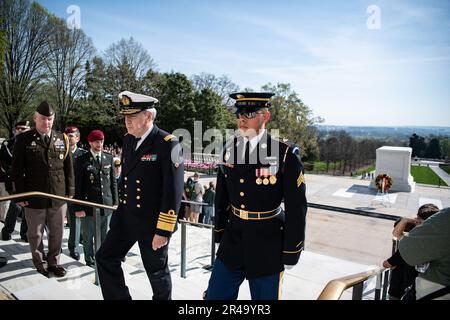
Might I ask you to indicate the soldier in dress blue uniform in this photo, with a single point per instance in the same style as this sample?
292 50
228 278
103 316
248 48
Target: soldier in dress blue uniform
258 238
95 181
73 134
150 189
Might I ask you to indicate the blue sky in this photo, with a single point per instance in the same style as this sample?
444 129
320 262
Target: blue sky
348 74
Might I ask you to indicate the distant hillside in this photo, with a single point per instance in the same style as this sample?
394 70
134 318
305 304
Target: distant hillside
387 132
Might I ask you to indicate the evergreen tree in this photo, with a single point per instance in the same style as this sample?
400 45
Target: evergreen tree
433 150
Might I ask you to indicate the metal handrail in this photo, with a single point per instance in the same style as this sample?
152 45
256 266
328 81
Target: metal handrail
97 206
334 288
183 239
55 197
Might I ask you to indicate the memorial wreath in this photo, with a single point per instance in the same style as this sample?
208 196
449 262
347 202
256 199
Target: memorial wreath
383 182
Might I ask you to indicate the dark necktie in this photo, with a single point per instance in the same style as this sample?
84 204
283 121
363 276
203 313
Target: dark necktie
46 139
247 152
135 142
98 159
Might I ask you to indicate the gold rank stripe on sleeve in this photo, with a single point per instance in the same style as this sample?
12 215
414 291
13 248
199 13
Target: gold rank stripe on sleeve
300 180
299 244
170 214
296 251
167 217
167 221
219 230
165 226
162 219
169 137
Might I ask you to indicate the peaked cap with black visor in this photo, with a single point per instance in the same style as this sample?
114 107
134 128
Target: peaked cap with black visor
251 101
132 103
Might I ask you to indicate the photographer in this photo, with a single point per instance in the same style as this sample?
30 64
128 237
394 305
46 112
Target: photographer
404 275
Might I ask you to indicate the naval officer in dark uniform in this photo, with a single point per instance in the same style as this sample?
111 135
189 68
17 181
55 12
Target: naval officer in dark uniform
258 238
41 162
150 190
95 181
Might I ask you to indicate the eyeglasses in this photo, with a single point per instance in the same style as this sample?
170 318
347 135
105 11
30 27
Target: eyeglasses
247 115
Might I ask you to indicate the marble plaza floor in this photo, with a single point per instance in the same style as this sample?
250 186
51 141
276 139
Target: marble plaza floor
19 279
337 245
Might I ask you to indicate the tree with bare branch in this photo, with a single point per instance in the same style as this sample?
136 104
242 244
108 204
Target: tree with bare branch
127 65
27 28
70 50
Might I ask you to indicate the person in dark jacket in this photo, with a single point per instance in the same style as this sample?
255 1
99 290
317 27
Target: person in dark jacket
404 275
14 210
210 195
258 238
73 133
41 162
150 192
95 181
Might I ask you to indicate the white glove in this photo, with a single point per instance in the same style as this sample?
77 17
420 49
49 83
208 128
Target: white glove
288 267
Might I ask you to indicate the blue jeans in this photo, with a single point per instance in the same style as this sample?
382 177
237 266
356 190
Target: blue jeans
208 217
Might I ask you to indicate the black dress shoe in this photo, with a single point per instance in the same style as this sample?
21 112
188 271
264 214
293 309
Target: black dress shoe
43 272
57 270
3 261
75 255
6 237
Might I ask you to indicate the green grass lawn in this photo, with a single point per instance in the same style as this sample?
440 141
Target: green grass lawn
322 166
367 169
446 168
426 176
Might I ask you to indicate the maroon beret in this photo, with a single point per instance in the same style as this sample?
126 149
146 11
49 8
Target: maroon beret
95 135
71 129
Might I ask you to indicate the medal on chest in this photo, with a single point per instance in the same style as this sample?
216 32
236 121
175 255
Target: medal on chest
59 145
266 175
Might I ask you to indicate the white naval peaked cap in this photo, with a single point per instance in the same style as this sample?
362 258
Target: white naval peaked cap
131 103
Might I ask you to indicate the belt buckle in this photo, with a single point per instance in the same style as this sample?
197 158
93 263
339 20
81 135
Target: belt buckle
243 214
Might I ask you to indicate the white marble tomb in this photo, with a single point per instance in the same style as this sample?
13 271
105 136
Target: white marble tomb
395 162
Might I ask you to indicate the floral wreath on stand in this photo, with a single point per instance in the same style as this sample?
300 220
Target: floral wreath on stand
383 182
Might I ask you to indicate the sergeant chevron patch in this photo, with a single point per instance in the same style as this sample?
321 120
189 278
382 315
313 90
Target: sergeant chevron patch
300 180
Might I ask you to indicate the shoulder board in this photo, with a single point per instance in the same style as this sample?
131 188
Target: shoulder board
291 146
289 143
107 153
170 137
286 142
